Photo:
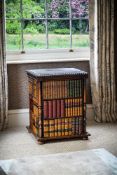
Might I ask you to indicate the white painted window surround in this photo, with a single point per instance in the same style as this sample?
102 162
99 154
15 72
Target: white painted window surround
51 55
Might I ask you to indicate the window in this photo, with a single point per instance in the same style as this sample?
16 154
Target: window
46 24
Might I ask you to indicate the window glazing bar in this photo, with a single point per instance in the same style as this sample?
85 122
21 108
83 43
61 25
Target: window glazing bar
22 34
34 19
70 14
46 23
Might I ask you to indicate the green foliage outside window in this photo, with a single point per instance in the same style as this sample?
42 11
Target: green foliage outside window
33 9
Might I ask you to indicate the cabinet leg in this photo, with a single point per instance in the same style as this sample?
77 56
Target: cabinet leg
41 142
28 128
85 138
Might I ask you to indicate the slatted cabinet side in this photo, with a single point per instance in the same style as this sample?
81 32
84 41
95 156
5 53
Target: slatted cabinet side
35 110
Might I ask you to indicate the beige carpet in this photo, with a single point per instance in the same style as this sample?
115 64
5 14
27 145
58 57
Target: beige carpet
18 143
90 162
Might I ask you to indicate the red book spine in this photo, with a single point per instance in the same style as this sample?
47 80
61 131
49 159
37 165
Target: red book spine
54 109
50 109
45 110
62 108
58 108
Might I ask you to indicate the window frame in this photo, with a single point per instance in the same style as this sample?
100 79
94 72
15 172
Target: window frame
21 20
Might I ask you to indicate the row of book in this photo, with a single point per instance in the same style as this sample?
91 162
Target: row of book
62 108
62 89
63 127
35 92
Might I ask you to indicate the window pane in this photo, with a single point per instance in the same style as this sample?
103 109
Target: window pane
79 8
33 9
80 26
59 34
13 9
58 8
34 35
80 33
13 35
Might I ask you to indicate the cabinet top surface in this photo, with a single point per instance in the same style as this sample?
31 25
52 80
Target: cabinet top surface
56 72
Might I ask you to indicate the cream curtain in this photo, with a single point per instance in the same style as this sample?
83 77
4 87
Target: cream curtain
101 15
3 72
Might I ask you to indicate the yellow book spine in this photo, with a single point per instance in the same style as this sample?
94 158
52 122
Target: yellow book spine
73 111
66 127
44 90
35 110
70 126
46 128
56 127
63 127
59 127
51 128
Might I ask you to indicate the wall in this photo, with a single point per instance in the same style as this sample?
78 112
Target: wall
18 82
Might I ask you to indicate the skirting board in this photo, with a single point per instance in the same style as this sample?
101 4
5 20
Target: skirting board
20 117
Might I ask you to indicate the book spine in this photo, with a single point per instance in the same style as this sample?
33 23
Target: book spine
50 109
54 108
66 127
73 126
62 89
63 126
46 128
59 89
51 90
56 127
39 95
65 89
59 127
35 110
70 126
77 126
62 108
51 128
40 128
44 90
58 108
45 110
34 89
73 111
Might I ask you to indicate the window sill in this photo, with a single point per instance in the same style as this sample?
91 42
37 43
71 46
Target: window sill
48 57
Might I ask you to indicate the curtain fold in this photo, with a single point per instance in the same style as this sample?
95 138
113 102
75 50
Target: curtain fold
101 15
3 72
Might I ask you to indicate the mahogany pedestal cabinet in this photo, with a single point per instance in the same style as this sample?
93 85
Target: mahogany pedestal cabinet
57 99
